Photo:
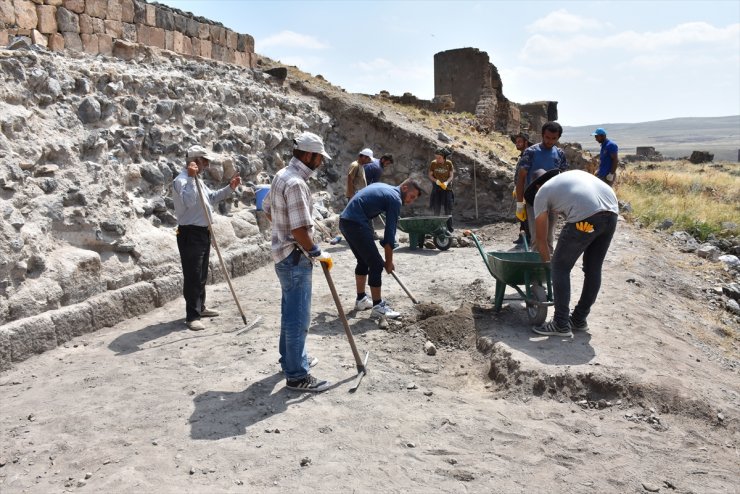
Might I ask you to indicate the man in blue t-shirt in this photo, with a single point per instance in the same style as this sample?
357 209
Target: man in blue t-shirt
355 223
608 157
543 156
374 169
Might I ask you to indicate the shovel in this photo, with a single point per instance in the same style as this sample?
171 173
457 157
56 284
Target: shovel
361 369
411 296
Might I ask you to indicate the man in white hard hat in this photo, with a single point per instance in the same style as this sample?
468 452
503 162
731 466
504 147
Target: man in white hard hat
289 207
193 237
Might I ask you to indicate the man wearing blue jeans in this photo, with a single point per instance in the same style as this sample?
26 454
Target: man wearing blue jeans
355 223
591 210
289 207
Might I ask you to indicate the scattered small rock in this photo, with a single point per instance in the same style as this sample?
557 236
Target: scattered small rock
305 461
411 385
650 487
429 348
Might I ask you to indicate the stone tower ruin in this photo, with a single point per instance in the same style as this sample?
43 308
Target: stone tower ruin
474 85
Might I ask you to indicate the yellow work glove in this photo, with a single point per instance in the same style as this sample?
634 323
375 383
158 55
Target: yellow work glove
513 193
442 185
326 259
521 211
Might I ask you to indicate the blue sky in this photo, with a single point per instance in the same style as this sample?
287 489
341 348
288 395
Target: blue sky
603 61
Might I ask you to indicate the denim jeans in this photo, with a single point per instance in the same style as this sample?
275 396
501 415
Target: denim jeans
294 273
571 244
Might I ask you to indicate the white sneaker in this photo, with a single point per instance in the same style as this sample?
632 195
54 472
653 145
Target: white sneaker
364 304
384 310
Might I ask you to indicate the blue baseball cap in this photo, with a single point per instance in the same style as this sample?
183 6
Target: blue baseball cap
599 132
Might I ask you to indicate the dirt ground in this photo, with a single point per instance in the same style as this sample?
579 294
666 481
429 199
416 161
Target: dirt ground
647 401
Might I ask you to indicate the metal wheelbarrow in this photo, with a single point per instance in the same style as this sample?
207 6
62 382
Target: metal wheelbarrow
418 227
525 272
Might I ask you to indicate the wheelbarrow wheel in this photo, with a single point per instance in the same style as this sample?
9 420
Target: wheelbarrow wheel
442 241
537 313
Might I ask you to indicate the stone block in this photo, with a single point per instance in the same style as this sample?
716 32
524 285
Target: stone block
3 37
245 42
39 39
187 46
228 55
114 28
129 32
31 336
105 44
98 25
151 15
217 51
47 16
195 46
25 14
231 39
218 35
241 58
72 321
124 50
139 298
206 48
7 13
204 31
76 6
56 42
177 41
86 24
72 41
5 357
150 36
180 23
139 12
107 309
193 28
90 43
165 19
96 8
127 11
67 21
114 10
168 288
169 40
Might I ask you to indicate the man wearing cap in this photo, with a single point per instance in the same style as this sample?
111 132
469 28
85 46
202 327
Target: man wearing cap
542 156
193 237
374 169
591 210
355 223
521 141
608 157
289 207
356 180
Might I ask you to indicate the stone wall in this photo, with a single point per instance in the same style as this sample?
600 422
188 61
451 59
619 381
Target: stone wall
106 26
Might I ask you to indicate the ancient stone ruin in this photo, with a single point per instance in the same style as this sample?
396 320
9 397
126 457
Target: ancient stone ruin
109 26
466 76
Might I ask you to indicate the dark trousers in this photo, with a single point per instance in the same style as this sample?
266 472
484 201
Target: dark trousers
194 244
571 244
440 197
359 236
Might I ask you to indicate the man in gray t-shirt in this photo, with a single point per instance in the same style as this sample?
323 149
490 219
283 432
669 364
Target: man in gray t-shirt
591 210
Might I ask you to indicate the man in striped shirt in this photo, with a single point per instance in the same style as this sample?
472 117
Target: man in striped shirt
289 206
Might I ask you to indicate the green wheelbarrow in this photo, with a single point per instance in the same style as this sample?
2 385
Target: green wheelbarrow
418 227
520 269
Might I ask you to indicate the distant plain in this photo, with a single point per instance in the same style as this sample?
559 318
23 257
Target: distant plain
673 138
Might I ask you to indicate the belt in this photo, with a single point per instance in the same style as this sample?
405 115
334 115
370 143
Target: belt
192 227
